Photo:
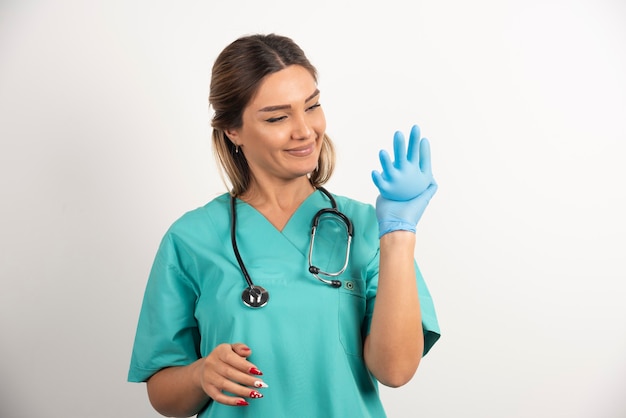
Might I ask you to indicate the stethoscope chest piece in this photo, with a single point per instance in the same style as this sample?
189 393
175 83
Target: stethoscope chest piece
255 296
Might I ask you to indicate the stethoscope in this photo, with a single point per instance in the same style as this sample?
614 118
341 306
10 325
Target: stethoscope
255 296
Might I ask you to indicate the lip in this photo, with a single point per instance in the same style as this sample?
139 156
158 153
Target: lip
302 151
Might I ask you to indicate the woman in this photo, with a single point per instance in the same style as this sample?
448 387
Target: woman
210 339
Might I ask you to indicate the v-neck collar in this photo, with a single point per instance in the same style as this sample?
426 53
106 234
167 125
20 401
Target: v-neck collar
297 230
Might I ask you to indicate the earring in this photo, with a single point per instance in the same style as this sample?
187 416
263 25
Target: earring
237 149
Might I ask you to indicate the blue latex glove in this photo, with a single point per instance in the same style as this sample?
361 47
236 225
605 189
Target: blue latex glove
406 185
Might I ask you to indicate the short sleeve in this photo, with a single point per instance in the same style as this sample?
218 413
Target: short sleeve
370 293
430 325
167 332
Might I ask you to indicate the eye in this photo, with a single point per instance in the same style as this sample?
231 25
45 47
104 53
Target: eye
276 119
315 106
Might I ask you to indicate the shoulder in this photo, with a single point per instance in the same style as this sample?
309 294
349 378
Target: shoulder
214 210
362 215
365 242
354 207
201 223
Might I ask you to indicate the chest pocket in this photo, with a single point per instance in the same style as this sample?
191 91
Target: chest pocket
351 316
329 254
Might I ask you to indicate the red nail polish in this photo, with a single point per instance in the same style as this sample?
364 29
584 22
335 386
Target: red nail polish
254 370
255 394
241 402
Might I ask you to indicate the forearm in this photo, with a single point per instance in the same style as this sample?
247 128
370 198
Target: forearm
176 391
394 347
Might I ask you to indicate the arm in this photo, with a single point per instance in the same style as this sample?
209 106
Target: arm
395 345
176 392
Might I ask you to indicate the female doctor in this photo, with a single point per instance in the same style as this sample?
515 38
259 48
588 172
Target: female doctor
280 299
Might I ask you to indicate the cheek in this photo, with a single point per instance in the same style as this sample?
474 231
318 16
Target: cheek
320 123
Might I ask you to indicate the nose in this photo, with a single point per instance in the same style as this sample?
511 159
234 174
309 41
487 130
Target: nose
301 128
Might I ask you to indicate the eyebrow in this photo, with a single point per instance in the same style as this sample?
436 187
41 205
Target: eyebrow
281 107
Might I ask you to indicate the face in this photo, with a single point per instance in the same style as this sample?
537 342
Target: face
283 126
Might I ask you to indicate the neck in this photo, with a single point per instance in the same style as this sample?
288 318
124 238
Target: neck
278 202
282 195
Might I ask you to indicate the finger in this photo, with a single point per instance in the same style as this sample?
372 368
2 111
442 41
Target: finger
241 349
377 179
218 396
414 150
381 183
429 192
230 373
399 149
386 164
230 359
226 378
247 380
424 156
246 391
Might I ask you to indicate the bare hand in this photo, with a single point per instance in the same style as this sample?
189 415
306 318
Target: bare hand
227 369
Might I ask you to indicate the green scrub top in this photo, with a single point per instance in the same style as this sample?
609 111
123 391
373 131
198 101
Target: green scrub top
308 339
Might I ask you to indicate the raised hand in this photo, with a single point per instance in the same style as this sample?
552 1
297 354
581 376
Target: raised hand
406 185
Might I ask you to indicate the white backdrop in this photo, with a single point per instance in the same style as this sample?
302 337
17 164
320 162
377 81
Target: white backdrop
104 141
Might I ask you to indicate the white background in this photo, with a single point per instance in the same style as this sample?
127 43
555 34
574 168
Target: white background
105 140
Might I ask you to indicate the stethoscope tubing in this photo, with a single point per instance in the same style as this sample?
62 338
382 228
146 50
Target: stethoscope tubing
255 296
233 238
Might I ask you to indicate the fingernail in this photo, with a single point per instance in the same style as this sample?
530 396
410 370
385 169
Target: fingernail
260 384
254 370
255 394
245 348
241 402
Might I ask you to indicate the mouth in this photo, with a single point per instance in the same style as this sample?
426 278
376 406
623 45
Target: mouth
303 151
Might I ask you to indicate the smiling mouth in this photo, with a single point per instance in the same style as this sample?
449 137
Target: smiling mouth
302 151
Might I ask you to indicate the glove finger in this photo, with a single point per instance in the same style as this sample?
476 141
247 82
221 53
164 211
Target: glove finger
381 183
429 192
414 140
377 179
399 149
424 157
386 164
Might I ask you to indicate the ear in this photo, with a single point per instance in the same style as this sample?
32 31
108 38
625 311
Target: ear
233 135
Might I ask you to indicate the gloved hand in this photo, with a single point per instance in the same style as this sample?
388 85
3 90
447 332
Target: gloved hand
406 185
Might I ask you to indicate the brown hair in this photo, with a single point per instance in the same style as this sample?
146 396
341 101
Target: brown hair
237 73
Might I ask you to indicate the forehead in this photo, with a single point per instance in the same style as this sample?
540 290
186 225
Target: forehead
293 84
